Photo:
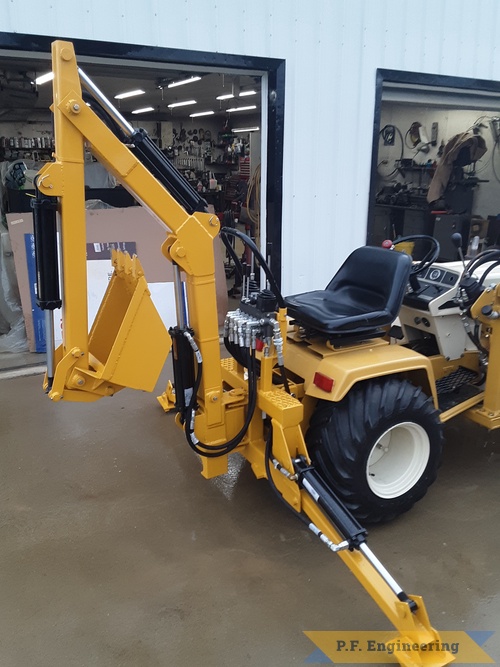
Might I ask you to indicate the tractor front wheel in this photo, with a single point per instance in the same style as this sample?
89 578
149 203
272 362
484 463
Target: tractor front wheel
379 448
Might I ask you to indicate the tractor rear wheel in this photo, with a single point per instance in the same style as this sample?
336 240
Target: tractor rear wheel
379 448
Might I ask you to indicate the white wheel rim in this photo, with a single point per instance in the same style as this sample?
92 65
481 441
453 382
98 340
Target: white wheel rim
398 460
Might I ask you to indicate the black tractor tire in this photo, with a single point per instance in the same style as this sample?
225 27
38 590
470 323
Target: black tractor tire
389 420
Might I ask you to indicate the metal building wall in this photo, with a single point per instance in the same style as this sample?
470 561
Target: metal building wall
332 50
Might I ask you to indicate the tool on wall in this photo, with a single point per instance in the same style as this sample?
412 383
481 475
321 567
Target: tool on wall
416 137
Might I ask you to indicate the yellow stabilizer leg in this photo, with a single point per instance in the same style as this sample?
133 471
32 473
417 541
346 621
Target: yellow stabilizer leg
407 613
412 626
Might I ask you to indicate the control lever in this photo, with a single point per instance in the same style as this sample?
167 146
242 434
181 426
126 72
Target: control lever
467 284
456 239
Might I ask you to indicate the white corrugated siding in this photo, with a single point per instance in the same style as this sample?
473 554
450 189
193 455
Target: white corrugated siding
332 49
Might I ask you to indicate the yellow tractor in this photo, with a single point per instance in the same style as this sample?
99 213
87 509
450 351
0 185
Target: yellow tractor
340 412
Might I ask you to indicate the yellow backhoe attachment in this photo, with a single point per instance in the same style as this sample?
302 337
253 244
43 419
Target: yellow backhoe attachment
128 343
232 404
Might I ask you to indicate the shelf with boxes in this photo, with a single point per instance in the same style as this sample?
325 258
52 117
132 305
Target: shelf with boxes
19 147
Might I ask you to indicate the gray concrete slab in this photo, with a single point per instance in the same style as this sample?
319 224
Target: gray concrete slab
15 360
114 551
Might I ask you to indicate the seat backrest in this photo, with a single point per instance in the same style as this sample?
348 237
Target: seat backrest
372 279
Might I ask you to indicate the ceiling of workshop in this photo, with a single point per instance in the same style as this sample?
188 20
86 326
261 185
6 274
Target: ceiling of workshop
21 100
440 96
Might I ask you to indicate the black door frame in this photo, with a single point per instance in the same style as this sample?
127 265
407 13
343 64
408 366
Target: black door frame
274 67
412 78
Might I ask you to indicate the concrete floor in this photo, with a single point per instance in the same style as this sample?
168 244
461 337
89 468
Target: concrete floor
10 361
115 552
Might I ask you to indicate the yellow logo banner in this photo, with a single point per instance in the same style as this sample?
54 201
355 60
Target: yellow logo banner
383 647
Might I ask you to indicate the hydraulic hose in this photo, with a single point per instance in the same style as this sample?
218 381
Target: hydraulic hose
490 255
213 451
258 256
284 378
235 351
237 263
489 269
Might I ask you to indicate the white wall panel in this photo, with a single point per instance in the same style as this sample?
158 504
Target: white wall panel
332 49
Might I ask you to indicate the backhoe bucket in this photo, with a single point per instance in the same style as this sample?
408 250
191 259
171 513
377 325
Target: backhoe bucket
128 342
127 345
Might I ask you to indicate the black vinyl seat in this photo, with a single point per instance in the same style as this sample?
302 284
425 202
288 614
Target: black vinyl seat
365 294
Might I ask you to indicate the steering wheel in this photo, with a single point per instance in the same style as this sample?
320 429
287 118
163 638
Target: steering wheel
430 256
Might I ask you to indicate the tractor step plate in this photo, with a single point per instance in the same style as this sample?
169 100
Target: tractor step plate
455 380
456 388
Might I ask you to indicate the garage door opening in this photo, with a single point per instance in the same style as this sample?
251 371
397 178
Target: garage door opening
217 117
436 160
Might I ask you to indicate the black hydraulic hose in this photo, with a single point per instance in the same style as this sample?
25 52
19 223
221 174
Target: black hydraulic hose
262 262
475 339
284 378
213 451
237 263
488 270
490 255
235 351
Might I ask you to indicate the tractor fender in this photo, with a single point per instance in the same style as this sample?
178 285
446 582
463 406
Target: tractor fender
348 366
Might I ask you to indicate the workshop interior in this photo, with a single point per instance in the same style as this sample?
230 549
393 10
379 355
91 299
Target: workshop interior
437 164
206 122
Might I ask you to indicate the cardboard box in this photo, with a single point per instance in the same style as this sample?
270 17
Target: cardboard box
133 225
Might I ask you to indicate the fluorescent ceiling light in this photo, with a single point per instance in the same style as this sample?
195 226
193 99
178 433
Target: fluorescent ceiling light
181 104
246 93
143 110
245 129
184 81
201 113
43 78
241 108
227 96
129 93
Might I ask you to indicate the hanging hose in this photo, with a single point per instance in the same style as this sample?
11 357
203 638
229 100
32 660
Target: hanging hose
489 255
253 190
244 354
214 451
474 337
489 270
284 378
232 253
472 288
260 259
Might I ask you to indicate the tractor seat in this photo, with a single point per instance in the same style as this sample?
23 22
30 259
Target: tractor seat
364 295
